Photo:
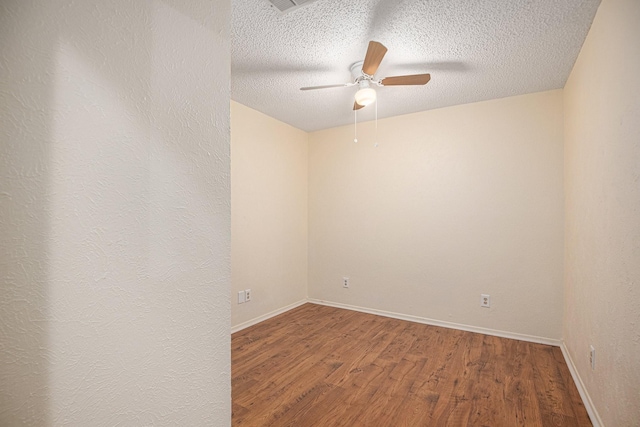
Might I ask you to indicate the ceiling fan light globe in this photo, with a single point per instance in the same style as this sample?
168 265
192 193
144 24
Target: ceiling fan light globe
365 96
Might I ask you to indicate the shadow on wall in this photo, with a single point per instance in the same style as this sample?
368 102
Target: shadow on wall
93 171
53 128
26 94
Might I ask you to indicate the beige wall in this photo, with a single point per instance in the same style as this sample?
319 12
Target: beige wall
114 213
269 213
453 203
602 187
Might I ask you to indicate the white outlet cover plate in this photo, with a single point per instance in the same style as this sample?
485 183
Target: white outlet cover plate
241 297
485 300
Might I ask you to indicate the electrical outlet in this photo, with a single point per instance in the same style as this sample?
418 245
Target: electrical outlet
241 297
592 357
247 295
485 300
345 282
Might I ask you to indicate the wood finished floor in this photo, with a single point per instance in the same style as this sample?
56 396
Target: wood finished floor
323 366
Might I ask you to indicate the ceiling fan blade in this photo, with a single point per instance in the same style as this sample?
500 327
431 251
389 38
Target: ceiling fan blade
357 106
375 53
413 79
327 86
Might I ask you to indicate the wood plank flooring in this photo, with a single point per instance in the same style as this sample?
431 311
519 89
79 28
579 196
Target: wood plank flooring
323 366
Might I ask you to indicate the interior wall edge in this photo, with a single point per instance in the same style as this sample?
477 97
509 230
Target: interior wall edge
269 215
584 394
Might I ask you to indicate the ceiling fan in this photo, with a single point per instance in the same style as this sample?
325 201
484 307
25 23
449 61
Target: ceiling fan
363 73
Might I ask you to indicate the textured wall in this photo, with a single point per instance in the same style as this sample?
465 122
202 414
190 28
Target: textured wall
454 203
269 213
115 213
602 187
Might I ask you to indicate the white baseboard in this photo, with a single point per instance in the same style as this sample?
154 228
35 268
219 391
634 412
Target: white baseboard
264 317
441 323
586 399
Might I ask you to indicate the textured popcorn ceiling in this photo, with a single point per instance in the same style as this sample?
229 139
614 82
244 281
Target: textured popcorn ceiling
474 50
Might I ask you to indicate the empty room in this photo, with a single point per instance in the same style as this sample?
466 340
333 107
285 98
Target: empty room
320 213
452 252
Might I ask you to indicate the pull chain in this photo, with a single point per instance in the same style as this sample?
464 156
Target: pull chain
355 125
376 136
